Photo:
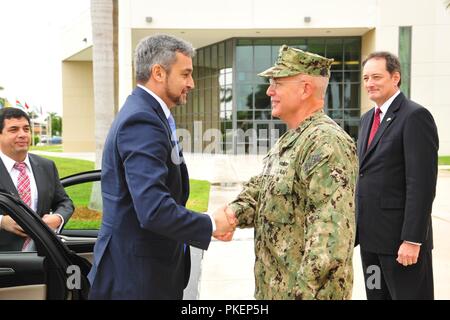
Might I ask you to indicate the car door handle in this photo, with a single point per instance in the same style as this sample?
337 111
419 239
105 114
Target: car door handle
6 271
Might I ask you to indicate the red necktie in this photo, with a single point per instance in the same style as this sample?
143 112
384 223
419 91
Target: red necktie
24 189
375 125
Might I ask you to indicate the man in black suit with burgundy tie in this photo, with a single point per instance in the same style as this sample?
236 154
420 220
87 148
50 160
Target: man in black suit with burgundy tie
397 150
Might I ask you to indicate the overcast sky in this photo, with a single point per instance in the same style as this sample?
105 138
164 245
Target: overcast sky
30 63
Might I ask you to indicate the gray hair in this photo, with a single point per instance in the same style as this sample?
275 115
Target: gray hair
158 49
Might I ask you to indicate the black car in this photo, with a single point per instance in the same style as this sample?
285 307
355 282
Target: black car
58 268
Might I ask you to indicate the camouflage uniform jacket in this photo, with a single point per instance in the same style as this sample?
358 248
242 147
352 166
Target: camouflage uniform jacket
302 209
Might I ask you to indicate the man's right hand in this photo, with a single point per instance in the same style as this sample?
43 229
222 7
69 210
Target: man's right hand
8 224
225 223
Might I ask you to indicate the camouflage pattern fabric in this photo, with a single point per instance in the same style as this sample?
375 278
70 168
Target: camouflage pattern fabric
302 209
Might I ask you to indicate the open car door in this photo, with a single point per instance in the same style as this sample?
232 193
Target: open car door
52 271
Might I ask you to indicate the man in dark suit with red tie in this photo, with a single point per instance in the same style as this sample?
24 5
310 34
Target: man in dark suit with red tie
397 150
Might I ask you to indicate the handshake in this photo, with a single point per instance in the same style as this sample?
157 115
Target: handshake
226 223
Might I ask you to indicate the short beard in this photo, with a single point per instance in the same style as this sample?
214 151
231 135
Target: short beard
176 99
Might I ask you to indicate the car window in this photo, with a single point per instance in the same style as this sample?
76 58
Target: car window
87 200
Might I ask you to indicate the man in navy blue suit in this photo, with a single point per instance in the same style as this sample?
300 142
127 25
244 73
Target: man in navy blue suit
142 251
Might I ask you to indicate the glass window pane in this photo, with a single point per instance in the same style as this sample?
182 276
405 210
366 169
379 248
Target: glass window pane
244 115
334 50
351 127
351 95
244 77
352 114
262 115
316 46
351 77
207 61
244 97
228 98
352 54
334 96
194 107
336 76
263 59
335 114
262 100
195 65
244 58
201 65
276 44
229 55
214 60
221 54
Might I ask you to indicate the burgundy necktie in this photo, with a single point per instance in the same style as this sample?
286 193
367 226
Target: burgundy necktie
24 189
375 125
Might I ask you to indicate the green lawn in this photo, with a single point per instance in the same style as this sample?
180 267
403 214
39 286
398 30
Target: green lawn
444 160
49 148
86 218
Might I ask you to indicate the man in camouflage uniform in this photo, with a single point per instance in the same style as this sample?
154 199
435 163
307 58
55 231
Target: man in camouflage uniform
302 205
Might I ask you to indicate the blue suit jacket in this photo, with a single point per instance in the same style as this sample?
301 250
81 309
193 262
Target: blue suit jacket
139 253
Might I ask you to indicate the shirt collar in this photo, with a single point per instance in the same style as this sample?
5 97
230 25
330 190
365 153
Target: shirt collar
305 123
385 106
9 163
163 105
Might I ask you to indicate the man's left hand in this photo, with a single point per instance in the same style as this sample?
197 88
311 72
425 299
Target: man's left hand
53 221
408 253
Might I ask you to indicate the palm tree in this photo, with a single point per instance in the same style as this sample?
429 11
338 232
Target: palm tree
104 39
447 4
50 117
104 17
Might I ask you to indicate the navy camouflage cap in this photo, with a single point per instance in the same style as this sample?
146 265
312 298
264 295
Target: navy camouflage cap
292 61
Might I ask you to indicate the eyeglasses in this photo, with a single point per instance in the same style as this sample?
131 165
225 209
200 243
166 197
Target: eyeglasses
275 84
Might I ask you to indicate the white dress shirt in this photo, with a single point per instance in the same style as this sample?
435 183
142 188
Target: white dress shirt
385 106
166 111
14 174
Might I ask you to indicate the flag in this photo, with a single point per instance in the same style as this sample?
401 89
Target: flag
18 104
26 105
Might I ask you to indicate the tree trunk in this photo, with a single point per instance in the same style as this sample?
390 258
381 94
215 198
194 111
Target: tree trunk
104 59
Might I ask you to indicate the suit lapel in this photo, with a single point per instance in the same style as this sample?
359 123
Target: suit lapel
154 104
366 125
6 184
39 175
388 119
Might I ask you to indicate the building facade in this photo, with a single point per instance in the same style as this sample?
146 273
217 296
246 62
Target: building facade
236 40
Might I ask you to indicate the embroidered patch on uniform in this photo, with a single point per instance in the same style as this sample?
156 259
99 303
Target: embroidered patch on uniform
311 162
